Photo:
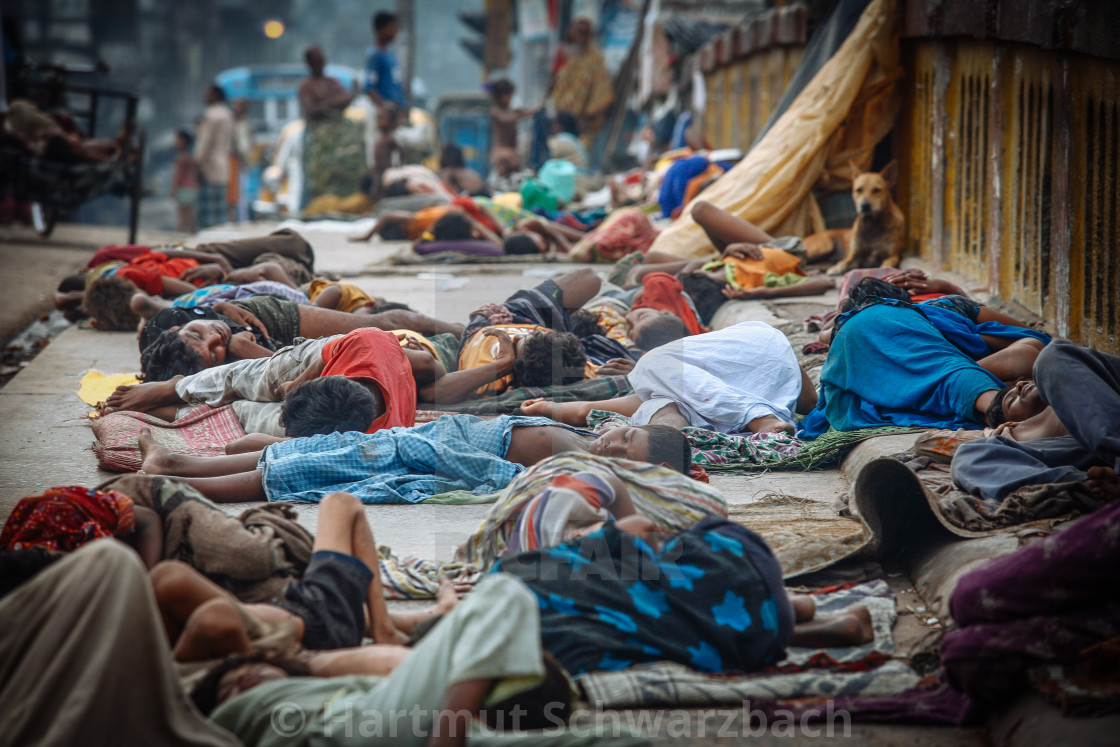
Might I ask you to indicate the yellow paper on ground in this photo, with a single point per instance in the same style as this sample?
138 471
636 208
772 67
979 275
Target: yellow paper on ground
839 117
96 387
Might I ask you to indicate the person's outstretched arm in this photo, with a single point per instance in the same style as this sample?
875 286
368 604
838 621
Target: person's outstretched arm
375 660
807 287
262 271
144 397
461 705
671 416
203 258
622 505
173 287
575 413
458 385
578 287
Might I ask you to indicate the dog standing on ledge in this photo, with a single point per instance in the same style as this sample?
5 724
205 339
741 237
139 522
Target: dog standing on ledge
877 237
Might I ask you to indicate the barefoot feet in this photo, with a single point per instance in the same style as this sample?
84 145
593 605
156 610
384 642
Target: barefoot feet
1104 482
156 459
446 596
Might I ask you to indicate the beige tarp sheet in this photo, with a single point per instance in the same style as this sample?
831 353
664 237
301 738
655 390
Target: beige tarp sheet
840 116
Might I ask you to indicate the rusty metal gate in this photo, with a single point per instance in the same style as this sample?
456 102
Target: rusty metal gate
1011 176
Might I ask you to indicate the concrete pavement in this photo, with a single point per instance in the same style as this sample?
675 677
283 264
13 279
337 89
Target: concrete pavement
44 439
33 265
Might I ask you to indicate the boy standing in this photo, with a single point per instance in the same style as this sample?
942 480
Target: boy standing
184 181
383 70
503 125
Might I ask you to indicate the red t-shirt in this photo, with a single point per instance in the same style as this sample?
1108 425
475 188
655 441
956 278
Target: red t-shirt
377 356
148 271
663 292
125 253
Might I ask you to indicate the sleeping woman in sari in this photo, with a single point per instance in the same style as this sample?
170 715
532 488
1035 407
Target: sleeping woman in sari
938 364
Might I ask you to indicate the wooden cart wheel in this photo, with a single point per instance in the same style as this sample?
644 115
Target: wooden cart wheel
43 218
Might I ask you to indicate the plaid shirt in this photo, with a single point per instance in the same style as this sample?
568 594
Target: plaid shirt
397 465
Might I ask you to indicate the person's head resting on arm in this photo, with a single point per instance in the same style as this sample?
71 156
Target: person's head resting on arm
237 674
656 444
186 350
330 404
108 301
650 328
547 359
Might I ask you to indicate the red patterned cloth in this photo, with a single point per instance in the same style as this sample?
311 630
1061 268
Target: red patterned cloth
125 253
66 518
204 431
148 271
626 231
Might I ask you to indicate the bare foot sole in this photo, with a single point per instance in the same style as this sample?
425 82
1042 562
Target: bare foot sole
1104 482
155 458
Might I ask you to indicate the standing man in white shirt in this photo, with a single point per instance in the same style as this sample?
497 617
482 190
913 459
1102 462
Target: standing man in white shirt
212 153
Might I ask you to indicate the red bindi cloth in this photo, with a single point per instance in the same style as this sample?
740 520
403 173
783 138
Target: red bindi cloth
663 292
148 271
377 356
66 518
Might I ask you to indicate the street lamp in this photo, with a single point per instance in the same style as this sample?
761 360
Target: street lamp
274 29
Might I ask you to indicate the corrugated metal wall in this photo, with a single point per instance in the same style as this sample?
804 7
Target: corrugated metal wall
746 72
742 95
1011 176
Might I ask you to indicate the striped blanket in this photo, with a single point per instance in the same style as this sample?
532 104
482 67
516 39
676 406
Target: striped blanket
672 500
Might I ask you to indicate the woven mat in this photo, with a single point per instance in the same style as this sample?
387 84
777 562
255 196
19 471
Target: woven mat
805 535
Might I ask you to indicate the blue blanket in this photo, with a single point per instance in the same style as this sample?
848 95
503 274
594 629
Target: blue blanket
897 364
396 465
676 180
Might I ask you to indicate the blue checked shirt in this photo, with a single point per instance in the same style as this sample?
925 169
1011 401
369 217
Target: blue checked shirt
396 465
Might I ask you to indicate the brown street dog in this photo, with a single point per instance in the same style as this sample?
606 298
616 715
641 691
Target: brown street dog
877 237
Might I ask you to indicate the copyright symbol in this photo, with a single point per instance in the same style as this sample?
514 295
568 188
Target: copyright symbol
287 719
